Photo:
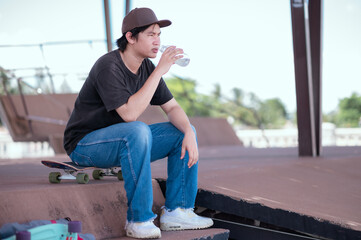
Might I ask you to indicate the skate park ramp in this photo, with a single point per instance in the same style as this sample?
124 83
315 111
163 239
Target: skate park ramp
36 117
43 117
214 132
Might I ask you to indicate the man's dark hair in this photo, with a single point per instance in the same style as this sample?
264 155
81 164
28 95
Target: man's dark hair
123 42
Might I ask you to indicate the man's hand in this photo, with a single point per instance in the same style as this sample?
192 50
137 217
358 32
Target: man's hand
190 144
180 120
168 58
138 102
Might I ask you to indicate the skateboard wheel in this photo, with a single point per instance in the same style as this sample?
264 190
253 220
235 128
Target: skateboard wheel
74 227
98 174
54 177
82 178
23 235
120 175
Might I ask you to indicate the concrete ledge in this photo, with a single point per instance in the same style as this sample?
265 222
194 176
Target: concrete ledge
26 195
100 207
205 234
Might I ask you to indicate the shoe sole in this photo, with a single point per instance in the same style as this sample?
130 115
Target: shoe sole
129 234
166 227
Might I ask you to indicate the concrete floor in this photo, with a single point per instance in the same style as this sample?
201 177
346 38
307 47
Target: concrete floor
326 188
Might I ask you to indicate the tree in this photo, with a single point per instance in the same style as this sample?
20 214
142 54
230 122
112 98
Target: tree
273 113
245 108
185 93
248 109
5 83
349 111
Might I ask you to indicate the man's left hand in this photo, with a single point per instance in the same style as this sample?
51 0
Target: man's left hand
190 144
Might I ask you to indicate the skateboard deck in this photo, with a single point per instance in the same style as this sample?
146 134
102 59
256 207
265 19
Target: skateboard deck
71 170
65 165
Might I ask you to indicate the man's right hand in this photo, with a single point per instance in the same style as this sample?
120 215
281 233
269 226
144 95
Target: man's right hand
168 58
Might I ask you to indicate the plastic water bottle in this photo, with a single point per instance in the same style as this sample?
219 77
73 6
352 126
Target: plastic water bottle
184 61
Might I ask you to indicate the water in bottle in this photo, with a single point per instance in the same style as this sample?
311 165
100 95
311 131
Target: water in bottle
184 61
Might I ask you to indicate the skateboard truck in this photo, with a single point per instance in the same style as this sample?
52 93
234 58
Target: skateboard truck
71 172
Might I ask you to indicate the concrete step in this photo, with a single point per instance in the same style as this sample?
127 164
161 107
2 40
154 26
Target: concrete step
204 234
100 205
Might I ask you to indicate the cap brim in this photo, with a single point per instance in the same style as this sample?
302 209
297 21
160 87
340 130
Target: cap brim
161 23
164 23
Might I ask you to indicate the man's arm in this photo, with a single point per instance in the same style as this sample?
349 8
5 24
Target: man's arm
138 102
179 119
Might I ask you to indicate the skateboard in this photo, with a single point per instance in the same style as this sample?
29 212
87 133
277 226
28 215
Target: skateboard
76 172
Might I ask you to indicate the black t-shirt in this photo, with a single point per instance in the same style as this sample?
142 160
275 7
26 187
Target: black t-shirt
109 85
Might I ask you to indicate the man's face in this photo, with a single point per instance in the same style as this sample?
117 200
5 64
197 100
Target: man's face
148 42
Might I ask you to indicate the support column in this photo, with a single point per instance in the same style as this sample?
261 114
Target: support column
306 30
315 13
127 6
108 29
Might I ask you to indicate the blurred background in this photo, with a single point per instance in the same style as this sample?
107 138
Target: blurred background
241 65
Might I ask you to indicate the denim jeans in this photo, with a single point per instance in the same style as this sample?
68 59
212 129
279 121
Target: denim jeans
133 146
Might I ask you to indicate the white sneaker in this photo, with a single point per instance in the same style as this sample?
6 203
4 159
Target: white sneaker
182 219
142 230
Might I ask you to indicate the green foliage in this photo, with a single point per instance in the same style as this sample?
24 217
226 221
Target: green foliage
273 113
349 113
184 92
245 109
5 80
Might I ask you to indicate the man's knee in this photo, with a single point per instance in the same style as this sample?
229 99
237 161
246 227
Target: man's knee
141 131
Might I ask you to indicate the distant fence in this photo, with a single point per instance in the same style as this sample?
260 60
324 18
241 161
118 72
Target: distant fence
331 136
251 138
11 149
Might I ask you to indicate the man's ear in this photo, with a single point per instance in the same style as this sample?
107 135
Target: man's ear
129 37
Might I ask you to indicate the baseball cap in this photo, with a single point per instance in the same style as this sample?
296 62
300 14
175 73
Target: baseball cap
140 17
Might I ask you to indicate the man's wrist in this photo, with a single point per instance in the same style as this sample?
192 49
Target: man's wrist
189 131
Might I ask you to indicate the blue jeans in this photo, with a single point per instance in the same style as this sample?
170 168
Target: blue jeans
133 146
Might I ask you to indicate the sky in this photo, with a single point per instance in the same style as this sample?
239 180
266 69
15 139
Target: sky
243 44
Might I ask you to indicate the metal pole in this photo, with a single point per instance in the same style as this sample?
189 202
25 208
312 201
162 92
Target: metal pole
108 25
306 48
310 79
315 9
127 6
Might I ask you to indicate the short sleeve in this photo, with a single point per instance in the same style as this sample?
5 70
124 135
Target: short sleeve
162 94
112 88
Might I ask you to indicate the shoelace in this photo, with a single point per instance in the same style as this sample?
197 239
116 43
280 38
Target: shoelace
183 209
188 210
150 222
146 223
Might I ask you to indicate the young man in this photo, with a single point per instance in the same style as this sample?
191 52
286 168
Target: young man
102 130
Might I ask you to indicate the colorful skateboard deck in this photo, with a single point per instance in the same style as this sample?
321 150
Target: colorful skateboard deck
65 165
71 172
